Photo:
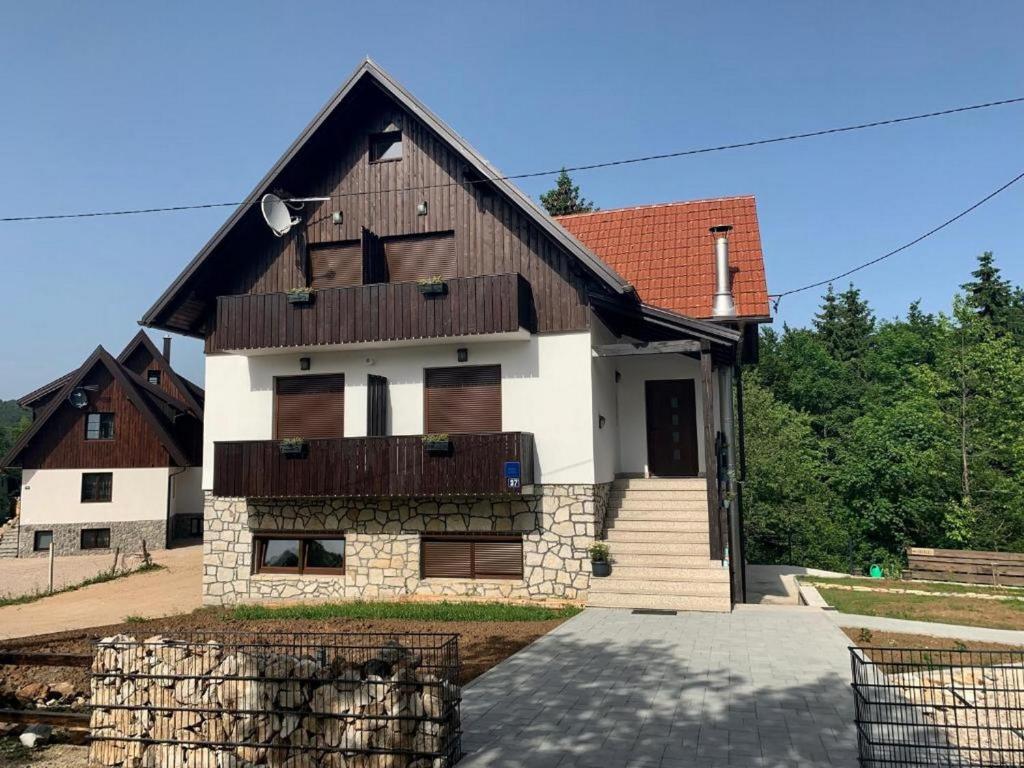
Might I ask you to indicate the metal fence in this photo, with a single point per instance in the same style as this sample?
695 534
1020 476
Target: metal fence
918 707
316 700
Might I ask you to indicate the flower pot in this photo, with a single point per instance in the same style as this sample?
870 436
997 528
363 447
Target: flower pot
438 447
601 567
432 289
293 449
300 297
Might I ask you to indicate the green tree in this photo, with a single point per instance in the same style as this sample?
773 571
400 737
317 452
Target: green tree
992 297
565 198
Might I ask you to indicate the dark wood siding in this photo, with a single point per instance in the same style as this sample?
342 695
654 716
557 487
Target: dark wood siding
472 557
491 234
462 399
416 257
309 406
386 312
142 360
61 444
335 265
372 466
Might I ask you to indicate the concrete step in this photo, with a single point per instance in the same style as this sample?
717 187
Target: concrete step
687 563
657 547
661 602
658 495
659 523
650 573
685 543
660 483
676 506
621 586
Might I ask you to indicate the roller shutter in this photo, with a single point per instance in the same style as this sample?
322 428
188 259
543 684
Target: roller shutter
420 256
467 557
463 399
309 406
335 265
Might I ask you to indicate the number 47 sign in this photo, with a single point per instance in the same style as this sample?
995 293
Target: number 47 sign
513 474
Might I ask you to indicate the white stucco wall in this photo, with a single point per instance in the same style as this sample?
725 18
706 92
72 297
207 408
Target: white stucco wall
187 491
53 496
545 389
605 399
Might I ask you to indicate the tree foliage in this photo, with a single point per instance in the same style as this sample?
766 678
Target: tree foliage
867 437
565 197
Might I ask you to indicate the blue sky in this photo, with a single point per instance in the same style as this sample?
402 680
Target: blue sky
112 105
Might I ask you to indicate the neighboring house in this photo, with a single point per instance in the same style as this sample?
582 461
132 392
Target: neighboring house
113 456
562 363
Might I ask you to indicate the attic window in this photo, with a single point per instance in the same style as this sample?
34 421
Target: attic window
385 146
99 426
153 377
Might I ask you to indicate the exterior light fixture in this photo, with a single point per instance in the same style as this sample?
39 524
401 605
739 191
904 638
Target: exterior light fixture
338 217
421 208
462 354
304 363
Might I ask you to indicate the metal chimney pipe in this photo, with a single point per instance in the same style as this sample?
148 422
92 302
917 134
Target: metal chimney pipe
167 348
723 305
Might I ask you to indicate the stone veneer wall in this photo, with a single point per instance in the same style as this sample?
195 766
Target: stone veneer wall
382 544
67 537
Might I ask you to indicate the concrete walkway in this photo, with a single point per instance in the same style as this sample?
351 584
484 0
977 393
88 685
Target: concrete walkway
761 686
930 628
176 589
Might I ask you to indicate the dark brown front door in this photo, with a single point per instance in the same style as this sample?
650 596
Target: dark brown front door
671 428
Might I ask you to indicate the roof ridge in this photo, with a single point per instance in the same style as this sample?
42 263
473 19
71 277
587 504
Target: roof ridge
656 205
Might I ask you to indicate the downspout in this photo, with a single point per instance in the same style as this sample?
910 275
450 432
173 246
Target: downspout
731 502
167 516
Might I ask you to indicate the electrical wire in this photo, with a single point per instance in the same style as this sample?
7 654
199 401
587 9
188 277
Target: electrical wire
534 174
777 297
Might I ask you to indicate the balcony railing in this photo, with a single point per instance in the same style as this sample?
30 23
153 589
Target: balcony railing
374 466
468 306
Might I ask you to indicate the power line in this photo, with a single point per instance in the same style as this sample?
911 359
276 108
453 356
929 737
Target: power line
535 174
778 296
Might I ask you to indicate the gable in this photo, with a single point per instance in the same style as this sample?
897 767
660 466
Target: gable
141 356
497 228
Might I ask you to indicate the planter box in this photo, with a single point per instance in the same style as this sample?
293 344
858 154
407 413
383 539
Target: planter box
432 289
293 449
438 447
300 297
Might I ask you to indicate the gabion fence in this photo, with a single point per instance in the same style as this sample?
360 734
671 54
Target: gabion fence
919 707
318 700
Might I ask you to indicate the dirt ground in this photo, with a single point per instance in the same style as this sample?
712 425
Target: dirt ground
877 639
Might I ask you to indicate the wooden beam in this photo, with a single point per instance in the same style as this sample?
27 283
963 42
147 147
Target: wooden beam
648 348
710 458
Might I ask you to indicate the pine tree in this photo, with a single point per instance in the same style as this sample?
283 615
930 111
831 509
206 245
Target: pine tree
988 293
844 323
565 198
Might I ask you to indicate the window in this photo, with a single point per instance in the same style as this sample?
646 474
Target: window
412 257
99 426
309 406
95 538
153 377
42 540
462 399
336 265
300 555
471 557
97 486
385 146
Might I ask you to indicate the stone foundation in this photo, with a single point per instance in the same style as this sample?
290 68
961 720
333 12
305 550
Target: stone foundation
67 538
382 545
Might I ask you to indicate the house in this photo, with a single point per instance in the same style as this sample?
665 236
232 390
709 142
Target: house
113 456
420 384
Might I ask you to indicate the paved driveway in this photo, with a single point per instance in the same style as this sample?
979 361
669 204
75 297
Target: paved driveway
762 686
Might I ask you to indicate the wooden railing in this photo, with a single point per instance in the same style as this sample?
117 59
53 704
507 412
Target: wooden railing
372 313
373 466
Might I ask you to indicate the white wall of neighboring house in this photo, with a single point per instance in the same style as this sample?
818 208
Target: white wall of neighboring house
545 390
187 491
53 496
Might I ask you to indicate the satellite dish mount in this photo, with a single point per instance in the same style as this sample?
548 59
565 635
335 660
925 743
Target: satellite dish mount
277 211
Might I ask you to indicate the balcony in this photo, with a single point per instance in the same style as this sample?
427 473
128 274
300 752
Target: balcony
367 314
373 467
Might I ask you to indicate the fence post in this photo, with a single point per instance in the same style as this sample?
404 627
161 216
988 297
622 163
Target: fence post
51 567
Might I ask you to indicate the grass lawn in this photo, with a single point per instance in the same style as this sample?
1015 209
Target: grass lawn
997 614
921 586
426 611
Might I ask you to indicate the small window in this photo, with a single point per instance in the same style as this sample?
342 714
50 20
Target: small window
471 557
42 540
153 377
307 554
97 486
95 538
99 426
385 146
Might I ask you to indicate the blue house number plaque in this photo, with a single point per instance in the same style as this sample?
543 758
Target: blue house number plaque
513 474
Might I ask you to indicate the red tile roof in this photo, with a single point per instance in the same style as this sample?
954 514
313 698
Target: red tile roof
667 253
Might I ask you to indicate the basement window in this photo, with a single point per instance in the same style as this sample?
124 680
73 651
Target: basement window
385 146
42 540
460 556
95 538
300 554
99 426
97 486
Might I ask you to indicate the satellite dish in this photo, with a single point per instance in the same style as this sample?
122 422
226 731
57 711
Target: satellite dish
277 214
78 397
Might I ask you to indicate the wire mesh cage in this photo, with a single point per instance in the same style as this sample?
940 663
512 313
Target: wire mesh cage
315 700
917 707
